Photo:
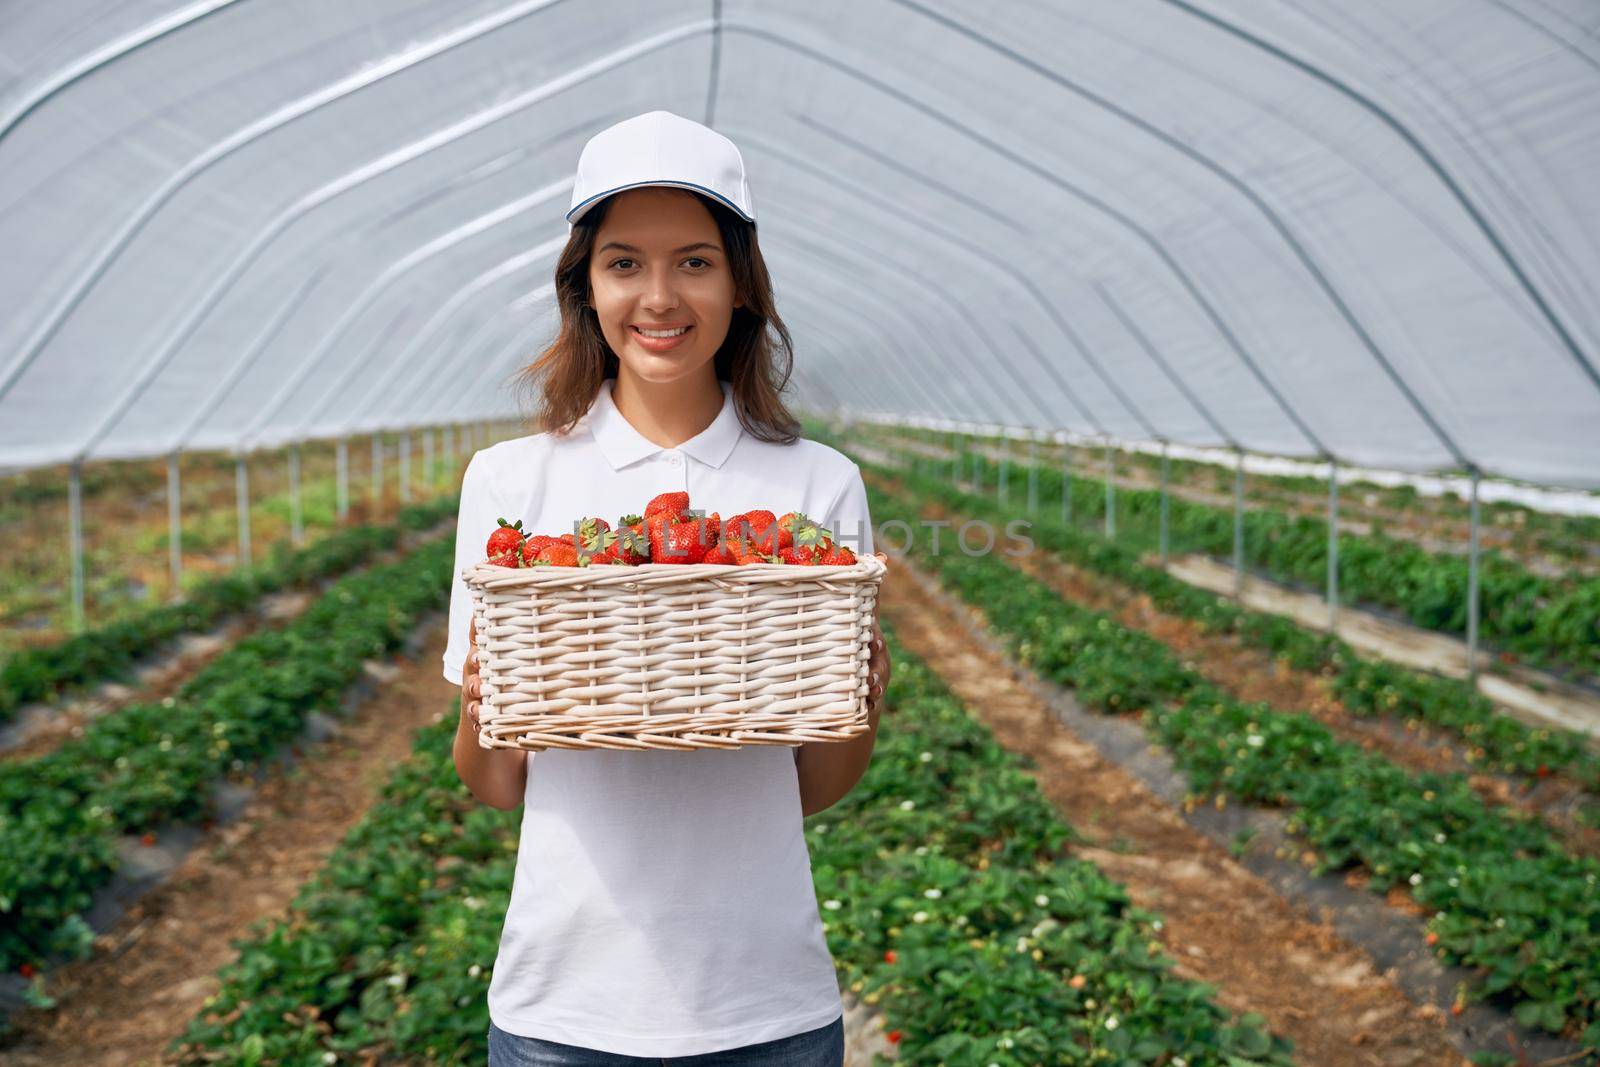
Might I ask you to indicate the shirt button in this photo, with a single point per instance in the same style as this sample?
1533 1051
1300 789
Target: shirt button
675 459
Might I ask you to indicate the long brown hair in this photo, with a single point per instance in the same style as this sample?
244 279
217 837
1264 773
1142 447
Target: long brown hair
757 356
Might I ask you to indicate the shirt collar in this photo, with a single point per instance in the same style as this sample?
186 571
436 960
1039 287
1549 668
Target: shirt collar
621 444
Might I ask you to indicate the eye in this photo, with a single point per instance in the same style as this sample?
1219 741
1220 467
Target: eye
701 259
624 259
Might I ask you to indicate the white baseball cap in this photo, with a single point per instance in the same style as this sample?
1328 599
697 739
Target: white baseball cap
660 148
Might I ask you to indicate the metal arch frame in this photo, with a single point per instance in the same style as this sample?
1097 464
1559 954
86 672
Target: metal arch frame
1383 115
950 302
1125 221
879 383
249 133
1049 305
169 346
500 271
224 282
889 308
387 277
954 369
335 92
927 226
1232 181
442 44
467 358
497 362
1026 340
514 310
105 56
1144 342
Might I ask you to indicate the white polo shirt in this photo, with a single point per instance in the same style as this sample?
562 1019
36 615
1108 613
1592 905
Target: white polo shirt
662 903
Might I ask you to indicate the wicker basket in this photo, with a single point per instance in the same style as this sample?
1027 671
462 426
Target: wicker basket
675 656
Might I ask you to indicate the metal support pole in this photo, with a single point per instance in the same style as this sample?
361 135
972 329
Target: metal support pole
1033 474
377 472
342 479
405 467
297 530
1111 498
1004 487
1066 483
427 462
241 485
1238 525
1472 587
955 460
75 535
174 526
1166 468
1333 546
977 471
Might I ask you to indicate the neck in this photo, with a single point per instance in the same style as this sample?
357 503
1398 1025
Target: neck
668 413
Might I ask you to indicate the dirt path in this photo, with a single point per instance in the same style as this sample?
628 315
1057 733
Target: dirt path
150 973
1252 674
1225 925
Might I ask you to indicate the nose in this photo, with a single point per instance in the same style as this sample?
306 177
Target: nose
660 292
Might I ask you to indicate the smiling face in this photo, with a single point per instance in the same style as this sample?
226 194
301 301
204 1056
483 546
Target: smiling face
659 265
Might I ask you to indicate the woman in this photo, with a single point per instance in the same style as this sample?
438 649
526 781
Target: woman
662 907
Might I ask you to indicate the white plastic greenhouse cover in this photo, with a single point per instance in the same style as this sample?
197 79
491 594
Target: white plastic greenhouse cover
1365 229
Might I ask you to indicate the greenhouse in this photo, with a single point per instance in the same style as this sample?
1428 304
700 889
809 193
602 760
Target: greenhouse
1191 410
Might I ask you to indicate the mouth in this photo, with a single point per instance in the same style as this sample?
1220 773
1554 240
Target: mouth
660 343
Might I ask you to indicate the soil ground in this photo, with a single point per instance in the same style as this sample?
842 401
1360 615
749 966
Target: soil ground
150 974
1223 924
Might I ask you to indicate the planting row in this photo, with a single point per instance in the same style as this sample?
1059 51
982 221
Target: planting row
1370 687
945 899
1546 621
1506 899
109 652
60 814
1572 538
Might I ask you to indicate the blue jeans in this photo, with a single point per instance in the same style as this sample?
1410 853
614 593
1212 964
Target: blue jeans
822 1047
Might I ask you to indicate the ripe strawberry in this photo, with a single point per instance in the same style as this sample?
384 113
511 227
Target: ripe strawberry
798 528
893 1036
889 956
505 544
633 541
656 527
596 541
674 504
801 555
720 553
837 555
532 546
744 552
688 542
757 529
147 839
560 555
26 970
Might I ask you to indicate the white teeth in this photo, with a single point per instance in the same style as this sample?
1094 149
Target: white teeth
663 333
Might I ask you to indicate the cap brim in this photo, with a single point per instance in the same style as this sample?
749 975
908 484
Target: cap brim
579 210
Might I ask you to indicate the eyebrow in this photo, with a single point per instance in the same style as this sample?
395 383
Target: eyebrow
675 251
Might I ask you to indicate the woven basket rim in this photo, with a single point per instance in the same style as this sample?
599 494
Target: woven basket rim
493 576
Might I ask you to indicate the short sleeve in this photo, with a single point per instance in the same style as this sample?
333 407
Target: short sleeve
848 517
475 520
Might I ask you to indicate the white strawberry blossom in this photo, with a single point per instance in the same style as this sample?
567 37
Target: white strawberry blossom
933 894
832 905
907 805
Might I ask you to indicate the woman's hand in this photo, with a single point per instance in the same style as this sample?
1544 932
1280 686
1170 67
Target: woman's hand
878 665
471 683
